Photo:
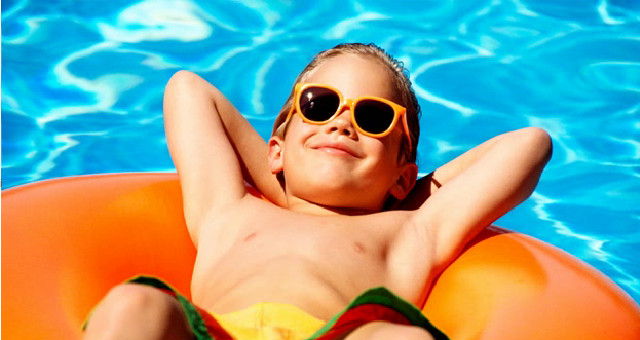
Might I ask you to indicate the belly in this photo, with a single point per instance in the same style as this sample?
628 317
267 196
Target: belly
235 286
318 280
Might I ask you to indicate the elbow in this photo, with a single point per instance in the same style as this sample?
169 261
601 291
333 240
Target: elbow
184 80
185 88
530 150
178 85
181 80
537 142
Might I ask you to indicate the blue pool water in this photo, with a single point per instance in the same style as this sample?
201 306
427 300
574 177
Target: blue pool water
82 85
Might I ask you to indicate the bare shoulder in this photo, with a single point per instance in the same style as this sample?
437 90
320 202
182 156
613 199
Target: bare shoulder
411 256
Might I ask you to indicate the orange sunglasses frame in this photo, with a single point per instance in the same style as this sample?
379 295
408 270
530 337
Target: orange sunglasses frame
398 111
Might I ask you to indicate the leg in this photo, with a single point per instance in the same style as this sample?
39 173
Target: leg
133 311
385 330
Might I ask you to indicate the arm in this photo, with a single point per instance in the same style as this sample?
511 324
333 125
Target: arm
429 184
250 148
478 187
205 134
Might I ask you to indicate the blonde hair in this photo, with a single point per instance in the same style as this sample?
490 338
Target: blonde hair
398 75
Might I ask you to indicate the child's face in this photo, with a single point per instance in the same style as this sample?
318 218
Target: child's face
333 164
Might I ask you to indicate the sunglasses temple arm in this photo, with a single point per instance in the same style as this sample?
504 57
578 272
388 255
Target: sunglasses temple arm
407 131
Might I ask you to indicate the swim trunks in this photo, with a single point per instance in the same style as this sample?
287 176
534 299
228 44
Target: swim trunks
271 321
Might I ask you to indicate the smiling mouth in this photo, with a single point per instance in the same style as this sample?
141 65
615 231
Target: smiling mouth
336 149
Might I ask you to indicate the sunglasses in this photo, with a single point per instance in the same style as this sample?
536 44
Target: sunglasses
375 117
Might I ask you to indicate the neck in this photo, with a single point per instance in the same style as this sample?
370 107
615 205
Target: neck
310 208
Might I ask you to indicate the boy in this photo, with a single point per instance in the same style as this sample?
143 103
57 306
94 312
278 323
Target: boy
343 146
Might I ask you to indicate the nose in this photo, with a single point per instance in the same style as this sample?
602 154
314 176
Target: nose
342 123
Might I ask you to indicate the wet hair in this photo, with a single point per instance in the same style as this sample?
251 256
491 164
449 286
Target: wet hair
401 86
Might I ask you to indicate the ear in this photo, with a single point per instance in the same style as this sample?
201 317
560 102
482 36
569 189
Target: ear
405 181
276 154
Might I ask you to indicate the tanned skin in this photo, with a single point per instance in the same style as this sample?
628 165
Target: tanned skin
325 239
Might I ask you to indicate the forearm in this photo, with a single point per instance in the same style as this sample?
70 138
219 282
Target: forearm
450 170
428 185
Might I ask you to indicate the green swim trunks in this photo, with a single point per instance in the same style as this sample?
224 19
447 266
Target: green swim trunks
283 322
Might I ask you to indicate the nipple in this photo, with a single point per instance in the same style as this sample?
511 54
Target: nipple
359 247
249 237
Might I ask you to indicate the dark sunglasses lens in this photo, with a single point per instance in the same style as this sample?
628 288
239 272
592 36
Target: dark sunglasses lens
318 104
373 116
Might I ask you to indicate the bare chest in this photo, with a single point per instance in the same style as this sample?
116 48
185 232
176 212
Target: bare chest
278 256
345 247
324 242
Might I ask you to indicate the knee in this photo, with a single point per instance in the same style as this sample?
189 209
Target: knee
415 333
133 299
536 140
403 332
384 331
132 307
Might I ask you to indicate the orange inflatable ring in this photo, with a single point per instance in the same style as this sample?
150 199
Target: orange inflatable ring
66 242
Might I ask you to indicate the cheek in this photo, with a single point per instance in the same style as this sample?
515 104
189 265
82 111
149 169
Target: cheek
383 162
298 130
391 145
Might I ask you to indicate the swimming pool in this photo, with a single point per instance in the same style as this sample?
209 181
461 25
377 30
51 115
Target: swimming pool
82 85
